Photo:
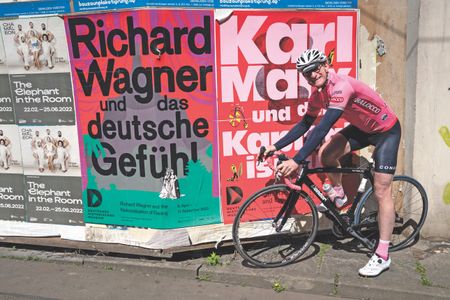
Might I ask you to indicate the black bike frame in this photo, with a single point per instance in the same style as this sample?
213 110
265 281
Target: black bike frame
344 220
305 180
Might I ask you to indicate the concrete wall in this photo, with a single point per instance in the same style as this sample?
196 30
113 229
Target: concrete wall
386 21
429 107
413 77
411 80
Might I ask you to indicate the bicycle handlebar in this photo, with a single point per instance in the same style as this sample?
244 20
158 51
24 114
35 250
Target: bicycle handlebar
270 162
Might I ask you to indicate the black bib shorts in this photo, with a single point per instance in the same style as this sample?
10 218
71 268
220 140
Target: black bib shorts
386 145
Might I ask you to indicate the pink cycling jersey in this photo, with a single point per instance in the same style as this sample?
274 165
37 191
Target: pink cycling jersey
361 105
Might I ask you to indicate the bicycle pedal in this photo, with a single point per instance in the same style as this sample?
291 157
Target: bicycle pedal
399 220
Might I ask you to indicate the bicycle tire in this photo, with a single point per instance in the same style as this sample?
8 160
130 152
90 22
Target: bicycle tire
255 238
411 207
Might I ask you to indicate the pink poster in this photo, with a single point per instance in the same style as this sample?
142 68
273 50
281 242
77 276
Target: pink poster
261 95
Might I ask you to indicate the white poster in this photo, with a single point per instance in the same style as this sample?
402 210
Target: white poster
35 45
50 150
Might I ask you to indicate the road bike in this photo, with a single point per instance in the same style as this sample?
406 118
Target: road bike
278 223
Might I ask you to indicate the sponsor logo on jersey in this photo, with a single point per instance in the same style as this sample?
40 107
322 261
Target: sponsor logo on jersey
370 107
337 99
390 168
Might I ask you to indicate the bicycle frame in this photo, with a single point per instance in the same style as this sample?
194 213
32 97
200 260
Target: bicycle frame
344 220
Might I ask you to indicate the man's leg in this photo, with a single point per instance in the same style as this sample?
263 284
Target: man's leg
385 154
386 210
381 261
330 153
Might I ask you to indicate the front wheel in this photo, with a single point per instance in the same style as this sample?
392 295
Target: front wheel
255 237
411 206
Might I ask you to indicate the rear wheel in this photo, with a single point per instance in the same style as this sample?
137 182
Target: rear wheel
255 237
411 206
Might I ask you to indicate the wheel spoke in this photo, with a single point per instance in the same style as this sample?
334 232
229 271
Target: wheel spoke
410 202
257 240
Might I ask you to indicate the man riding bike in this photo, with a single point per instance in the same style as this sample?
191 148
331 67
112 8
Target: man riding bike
372 122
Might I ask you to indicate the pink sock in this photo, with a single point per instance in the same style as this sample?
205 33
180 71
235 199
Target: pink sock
383 249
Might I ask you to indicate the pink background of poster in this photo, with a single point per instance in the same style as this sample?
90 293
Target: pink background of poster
261 95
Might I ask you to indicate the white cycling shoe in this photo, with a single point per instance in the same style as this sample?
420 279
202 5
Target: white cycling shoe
375 266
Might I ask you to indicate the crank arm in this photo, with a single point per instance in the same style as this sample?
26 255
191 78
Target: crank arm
368 243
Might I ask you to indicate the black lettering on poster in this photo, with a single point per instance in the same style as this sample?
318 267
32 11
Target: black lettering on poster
142 85
47 201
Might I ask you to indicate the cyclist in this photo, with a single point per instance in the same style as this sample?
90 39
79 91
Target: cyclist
372 122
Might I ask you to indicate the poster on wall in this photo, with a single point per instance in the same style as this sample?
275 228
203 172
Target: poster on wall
10 150
50 150
17 8
145 97
53 200
39 72
6 104
42 97
12 198
93 5
274 4
51 166
261 94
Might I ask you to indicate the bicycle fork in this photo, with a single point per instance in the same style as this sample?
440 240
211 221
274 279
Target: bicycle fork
285 211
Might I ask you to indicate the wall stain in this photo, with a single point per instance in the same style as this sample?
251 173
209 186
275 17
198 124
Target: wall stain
445 134
446 195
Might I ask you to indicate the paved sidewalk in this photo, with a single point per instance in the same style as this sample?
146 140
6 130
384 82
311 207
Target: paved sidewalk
329 269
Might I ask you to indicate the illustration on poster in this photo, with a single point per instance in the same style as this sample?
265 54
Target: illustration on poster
170 188
5 151
53 151
35 48
236 172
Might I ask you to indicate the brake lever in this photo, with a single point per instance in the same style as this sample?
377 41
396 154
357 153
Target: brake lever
282 157
261 156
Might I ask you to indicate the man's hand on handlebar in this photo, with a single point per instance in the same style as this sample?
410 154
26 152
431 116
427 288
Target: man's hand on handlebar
287 167
269 151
